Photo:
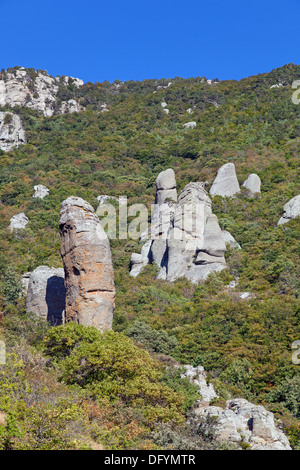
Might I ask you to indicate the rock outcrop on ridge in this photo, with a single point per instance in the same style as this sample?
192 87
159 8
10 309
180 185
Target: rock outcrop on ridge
12 132
226 183
89 275
36 90
45 294
185 239
291 210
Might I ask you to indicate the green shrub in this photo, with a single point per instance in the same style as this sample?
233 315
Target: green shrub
109 365
156 340
60 341
288 395
12 286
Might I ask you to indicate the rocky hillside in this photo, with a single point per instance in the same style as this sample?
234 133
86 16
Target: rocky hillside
222 300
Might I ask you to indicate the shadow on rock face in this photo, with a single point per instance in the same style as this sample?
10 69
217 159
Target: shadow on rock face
55 300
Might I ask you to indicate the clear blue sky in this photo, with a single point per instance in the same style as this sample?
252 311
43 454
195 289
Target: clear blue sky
98 40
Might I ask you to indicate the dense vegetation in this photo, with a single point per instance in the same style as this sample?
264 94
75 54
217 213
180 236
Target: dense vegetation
244 344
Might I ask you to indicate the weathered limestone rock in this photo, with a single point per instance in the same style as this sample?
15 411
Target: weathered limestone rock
166 187
25 282
104 199
20 87
195 246
165 201
185 238
46 294
12 133
18 221
89 275
225 183
252 184
291 210
77 82
40 191
70 106
189 125
198 376
228 238
140 260
240 420
244 421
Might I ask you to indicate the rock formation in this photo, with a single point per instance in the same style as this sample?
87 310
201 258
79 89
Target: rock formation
139 260
195 246
12 133
70 106
25 282
189 125
184 239
228 238
164 106
291 210
37 90
18 222
225 183
252 184
40 191
166 187
197 376
104 199
240 420
46 294
89 276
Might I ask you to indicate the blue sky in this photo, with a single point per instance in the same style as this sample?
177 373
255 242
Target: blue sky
134 40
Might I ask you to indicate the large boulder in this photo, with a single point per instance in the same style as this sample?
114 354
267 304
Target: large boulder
166 187
189 125
291 210
89 275
18 222
46 294
252 184
225 183
40 191
12 133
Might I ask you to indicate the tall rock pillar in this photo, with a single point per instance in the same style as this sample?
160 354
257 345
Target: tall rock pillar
89 275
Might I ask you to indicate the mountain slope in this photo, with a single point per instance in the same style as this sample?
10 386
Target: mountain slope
117 145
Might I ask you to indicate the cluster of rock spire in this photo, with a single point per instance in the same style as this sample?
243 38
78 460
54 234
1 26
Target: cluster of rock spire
184 240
